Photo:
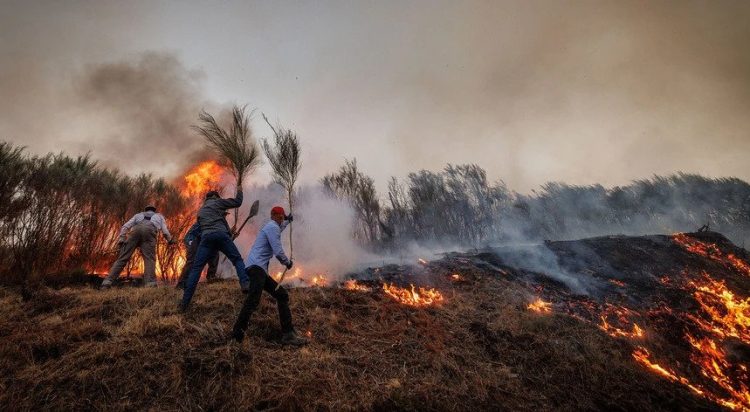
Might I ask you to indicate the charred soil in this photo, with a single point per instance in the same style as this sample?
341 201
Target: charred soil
477 347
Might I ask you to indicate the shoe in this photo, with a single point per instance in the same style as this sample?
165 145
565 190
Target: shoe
238 335
245 287
292 339
150 285
105 285
181 308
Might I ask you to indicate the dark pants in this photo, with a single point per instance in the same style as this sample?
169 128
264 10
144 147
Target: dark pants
213 263
260 281
212 243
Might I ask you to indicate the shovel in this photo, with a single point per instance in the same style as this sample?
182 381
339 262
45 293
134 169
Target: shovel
253 212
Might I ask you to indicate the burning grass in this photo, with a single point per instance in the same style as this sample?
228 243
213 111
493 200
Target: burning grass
413 296
129 349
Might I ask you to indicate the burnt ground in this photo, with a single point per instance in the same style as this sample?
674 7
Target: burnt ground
479 348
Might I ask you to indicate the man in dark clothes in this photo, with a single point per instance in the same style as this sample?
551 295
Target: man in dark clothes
215 237
267 245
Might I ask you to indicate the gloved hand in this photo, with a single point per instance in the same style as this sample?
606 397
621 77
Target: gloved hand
289 264
289 217
121 241
171 242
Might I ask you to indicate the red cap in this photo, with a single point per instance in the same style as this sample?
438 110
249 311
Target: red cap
278 210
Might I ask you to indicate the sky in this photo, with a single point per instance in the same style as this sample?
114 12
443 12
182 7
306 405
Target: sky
581 92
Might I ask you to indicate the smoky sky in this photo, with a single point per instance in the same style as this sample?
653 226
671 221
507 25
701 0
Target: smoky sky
533 91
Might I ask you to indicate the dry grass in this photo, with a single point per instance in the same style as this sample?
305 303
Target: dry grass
129 349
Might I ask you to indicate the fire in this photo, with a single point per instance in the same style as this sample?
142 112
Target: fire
617 283
298 274
319 280
412 296
540 306
202 178
711 251
422 261
612 316
729 314
352 284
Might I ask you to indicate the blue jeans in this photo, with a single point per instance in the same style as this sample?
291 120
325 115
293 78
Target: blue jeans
211 244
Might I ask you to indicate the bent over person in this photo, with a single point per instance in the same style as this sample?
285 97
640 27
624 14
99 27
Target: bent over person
267 245
144 228
215 237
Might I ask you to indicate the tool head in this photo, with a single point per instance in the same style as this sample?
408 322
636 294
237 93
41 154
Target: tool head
254 208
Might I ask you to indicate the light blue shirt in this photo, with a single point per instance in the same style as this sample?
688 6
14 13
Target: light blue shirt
267 245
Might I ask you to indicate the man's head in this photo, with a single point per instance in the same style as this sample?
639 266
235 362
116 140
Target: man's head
212 194
150 208
278 214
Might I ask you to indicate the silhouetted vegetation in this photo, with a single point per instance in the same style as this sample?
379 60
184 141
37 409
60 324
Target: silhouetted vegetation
60 214
459 205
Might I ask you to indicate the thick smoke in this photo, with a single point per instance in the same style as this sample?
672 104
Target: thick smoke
142 112
323 228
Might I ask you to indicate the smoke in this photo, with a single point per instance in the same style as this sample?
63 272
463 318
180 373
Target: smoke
143 112
323 228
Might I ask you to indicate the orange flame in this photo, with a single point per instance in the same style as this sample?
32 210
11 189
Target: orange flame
352 284
711 251
540 306
202 178
413 297
729 315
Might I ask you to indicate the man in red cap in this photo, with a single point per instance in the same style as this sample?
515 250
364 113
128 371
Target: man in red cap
267 245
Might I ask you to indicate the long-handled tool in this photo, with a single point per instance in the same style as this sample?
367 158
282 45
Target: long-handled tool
253 212
235 233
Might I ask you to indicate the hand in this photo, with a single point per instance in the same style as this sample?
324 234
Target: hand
289 264
171 242
121 241
289 217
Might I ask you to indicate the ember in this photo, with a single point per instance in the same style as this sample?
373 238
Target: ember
711 251
540 306
412 296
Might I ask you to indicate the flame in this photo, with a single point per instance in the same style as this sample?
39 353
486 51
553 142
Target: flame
711 251
352 284
540 306
729 315
298 274
617 282
202 178
422 261
412 296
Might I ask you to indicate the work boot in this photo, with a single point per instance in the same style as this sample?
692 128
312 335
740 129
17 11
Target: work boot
181 308
106 284
291 338
245 287
150 285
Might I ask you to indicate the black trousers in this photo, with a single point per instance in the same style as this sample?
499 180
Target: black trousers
260 281
213 263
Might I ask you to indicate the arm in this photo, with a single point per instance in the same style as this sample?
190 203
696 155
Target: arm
130 223
283 226
192 233
274 238
232 203
163 224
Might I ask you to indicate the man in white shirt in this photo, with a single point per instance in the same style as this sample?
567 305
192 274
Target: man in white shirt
144 228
